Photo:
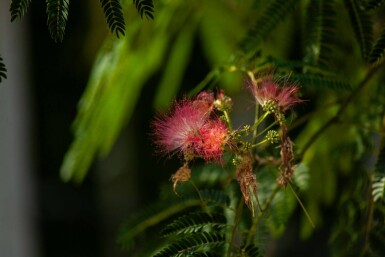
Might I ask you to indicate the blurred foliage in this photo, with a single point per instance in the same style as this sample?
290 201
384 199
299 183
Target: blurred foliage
333 49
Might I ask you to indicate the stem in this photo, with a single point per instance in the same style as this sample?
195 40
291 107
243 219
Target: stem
235 225
267 128
255 129
211 77
228 120
259 120
199 194
341 110
302 206
260 143
259 217
157 218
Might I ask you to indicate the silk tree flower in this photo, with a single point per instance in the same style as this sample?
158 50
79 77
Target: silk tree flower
213 136
191 130
273 98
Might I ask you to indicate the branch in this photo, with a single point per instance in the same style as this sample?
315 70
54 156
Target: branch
343 107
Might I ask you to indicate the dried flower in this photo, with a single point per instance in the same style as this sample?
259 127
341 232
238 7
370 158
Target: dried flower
271 97
286 170
183 174
246 178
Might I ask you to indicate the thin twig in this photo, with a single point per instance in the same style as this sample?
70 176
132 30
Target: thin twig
260 215
302 206
237 218
341 110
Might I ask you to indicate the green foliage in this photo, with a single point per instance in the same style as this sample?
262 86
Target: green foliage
376 57
306 75
250 251
57 13
195 222
378 183
3 70
320 31
319 82
332 136
145 7
275 13
114 15
378 188
371 4
217 197
362 25
18 8
192 243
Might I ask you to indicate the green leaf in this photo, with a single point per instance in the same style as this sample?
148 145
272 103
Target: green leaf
114 16
3 70
57 12
145 7
378 188
192 243
376 57
320 31
151 216
301 176
276 12
362 25
114 87
18 8
318 82
195 222
175 68
250 251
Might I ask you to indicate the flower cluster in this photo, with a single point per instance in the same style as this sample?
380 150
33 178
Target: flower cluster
201 128
271 97
192 129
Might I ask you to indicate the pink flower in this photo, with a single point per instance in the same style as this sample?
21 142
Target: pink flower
267 92
190 129
212 139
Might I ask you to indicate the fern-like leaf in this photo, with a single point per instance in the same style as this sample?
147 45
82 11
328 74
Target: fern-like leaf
151 216
3 70
378 188
18 8
193 243
113 12
195 222
275 13
57 12
371 4
317 81
302 176
205 254
377 55
216 197
320 30
145 7
250 251
362 25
